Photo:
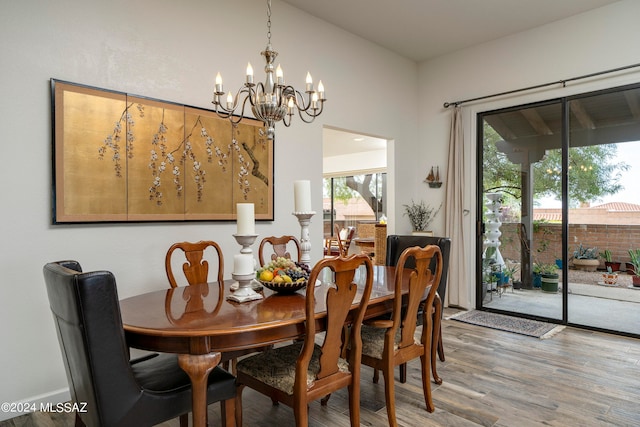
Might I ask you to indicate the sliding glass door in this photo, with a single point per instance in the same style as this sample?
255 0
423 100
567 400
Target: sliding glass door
604 209
559 223
521 154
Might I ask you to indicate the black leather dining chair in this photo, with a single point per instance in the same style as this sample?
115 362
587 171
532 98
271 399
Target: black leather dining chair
116 390
396 244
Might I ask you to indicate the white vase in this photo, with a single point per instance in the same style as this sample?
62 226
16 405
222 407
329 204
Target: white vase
422 233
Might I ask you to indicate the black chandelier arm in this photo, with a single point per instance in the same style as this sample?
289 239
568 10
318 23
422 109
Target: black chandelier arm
316 112
301 105
310 112
286 122
252 93
227 113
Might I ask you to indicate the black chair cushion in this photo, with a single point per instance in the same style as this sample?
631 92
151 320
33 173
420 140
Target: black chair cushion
161 373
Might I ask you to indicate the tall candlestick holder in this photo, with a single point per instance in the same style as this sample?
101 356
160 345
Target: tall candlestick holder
304 218
244 287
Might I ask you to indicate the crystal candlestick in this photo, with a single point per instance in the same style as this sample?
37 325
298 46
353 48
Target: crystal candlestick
243 289
304 218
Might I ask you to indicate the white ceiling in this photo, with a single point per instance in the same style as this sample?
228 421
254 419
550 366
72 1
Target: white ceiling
337 142
424 29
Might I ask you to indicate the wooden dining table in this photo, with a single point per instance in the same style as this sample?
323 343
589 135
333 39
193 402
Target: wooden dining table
197 322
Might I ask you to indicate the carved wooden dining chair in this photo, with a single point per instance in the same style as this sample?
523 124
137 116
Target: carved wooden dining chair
387 343
196 271
302 372
339 244
196 267
396 244
278 248
345 242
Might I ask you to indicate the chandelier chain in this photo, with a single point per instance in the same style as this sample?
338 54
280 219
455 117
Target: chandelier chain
269 22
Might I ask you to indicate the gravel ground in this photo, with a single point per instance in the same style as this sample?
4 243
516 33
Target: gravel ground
592 278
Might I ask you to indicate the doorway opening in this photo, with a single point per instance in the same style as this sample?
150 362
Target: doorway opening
354 185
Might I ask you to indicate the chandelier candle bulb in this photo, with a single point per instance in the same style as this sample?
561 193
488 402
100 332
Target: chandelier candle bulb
246 219
309 82
320 90
249 73
279 75
243 264
302 196
219 84
229 100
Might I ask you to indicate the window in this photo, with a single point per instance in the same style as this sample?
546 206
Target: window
348 200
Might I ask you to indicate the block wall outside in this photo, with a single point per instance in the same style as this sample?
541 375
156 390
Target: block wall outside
547 244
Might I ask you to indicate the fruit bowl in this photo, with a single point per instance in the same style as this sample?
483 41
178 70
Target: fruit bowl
284 287
283 275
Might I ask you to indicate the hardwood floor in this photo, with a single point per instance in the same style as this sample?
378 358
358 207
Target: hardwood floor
491 378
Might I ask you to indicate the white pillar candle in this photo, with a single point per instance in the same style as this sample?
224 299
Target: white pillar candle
302 196
246 219
243 264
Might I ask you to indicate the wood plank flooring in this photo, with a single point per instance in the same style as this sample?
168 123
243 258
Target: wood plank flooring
491 378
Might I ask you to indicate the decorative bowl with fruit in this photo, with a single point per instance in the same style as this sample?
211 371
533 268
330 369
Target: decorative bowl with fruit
283 275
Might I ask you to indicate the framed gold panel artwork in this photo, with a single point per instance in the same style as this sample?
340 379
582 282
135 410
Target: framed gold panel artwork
125 158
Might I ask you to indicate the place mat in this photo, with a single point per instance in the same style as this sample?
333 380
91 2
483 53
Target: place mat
532 328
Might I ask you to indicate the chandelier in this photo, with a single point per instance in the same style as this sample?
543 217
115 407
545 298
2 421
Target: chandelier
272 100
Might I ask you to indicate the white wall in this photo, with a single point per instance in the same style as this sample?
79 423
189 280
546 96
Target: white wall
171 51
599 40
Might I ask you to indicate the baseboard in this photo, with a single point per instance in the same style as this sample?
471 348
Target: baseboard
39 401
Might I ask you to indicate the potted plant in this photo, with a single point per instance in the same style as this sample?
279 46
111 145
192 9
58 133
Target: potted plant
543 234
510 271
610 277
420 216
634 254
537 274
608 261
549 278
487 278
586 258
489 267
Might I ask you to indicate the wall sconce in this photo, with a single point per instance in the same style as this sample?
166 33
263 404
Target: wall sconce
433 179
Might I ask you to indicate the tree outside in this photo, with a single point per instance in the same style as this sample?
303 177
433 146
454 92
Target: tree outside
592 174
369 187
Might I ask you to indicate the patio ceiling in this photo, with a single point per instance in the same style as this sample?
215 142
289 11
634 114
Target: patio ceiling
599 119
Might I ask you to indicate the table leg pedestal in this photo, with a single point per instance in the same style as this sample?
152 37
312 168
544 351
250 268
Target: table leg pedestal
198 367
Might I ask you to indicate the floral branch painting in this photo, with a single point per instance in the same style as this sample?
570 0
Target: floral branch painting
120 157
